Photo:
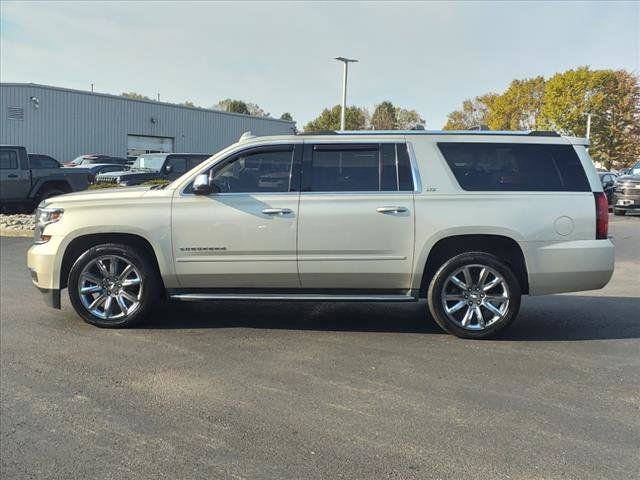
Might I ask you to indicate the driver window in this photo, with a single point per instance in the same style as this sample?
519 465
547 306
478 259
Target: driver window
256 172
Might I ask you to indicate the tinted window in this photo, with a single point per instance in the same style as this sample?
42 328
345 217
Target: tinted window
345 168
178 164
8 160
359 167
515 167
193 161
256 172
42 161
111 168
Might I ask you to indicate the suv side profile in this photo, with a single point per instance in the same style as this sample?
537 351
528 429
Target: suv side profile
470 220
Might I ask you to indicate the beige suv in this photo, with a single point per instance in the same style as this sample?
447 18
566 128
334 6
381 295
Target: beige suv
471 221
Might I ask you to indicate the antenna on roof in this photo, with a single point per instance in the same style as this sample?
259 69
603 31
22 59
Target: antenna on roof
246 136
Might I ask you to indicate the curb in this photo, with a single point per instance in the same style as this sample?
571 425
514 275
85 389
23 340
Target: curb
8 232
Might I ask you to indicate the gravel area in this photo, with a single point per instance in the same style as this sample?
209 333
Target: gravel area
17 222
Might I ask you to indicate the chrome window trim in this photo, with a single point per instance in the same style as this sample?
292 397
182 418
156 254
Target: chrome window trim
415 173
241 147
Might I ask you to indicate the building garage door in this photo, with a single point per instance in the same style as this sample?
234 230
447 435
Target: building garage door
138 144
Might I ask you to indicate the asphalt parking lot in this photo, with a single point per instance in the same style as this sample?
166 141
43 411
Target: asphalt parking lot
305 391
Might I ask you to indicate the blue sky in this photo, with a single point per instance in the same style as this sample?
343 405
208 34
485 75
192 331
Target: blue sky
428 56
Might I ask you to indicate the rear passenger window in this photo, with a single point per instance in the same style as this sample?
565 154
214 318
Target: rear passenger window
8 160
515 167
359 168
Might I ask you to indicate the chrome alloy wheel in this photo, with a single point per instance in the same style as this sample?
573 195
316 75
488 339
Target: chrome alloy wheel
475 297
110 287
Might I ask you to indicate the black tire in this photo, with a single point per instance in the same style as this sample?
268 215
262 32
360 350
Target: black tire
618 213
145 270
440 284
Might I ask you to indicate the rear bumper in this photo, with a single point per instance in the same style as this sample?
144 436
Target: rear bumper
569 266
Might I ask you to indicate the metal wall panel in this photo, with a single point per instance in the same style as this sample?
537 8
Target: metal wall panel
66 123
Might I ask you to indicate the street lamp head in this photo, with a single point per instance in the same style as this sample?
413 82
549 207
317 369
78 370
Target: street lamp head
346 60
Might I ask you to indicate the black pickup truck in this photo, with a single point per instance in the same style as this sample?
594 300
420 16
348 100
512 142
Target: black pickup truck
23 186
154 166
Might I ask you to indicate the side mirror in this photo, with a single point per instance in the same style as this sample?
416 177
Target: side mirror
201 185
168 169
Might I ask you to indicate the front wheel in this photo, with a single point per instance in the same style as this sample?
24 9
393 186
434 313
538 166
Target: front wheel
474 295
113 285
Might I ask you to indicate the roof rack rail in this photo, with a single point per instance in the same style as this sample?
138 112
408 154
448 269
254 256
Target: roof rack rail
319 132
544 133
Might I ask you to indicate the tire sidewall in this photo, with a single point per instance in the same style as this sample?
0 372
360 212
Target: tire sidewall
438 283
140 261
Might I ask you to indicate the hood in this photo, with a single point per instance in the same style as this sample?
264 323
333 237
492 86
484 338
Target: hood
101 195
628 179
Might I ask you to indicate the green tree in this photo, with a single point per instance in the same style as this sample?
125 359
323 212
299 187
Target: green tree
233 106
613 99
286 116
518 108
473 114
355 118
384 117
135 96
408 119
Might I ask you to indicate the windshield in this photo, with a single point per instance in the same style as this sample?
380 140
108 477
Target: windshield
152 163
635 170
77 160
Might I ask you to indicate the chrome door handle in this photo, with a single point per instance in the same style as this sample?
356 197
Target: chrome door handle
392 209
277 211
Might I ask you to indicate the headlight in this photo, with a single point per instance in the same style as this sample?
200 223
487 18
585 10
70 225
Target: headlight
45 216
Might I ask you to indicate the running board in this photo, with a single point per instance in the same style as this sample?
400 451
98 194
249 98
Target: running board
194 297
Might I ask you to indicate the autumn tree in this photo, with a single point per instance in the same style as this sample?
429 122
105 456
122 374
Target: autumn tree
187 103
135 96
408 119
473 114
384 117
518 108
329 119
612 98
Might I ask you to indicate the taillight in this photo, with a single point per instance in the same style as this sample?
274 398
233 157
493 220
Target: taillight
602 215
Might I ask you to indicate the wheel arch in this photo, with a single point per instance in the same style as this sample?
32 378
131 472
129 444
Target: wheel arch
43 184
83 242
504 247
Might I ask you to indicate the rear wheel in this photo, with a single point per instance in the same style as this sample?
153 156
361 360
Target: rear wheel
113 285
474 295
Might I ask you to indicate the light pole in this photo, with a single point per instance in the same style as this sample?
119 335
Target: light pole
345 62
588 125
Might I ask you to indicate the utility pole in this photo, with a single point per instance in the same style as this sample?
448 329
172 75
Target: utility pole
345 62
92 88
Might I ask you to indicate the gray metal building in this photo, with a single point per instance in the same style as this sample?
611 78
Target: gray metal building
66 123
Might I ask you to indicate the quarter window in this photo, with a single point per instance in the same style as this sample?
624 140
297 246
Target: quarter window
515 167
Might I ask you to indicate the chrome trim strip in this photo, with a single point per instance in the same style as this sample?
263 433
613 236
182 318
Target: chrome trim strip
237 258
415 173
350 258
192 297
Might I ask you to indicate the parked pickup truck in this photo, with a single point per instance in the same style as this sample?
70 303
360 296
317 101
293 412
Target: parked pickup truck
471 221
154 166
23 185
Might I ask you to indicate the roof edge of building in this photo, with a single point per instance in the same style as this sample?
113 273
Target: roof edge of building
152 102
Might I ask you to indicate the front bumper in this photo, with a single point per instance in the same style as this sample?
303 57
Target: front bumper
42 262
569 266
